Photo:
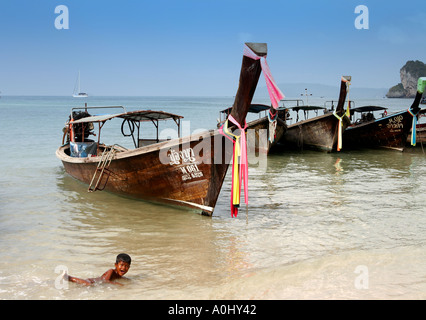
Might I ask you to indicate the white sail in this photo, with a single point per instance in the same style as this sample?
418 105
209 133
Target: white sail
77 92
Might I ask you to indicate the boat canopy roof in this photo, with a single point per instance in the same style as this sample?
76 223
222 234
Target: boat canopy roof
254 108
140 115
307 108
368 109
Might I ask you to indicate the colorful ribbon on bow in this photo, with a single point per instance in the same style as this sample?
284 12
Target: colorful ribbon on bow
275 93
239 164
272 125
413 127
339 131
347 113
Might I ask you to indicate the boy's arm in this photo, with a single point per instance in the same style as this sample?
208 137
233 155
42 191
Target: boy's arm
108 276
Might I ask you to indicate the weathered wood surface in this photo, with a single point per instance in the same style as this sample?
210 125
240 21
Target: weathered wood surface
318 133
390 132
420 136
185 173
249 76
259 132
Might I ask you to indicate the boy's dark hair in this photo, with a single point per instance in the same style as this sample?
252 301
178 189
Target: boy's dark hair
123 257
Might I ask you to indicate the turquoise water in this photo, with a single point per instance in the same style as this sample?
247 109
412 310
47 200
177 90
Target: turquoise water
348 225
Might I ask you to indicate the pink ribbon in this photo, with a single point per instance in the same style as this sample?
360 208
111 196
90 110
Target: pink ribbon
239 168
275 93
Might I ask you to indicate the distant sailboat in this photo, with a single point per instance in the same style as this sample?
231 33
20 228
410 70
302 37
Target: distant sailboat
77 93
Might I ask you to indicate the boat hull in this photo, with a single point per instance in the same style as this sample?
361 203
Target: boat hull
420 135
188 172
389 132
319 133
259 132
420 131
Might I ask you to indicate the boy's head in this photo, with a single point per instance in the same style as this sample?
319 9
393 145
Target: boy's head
123 257
122 264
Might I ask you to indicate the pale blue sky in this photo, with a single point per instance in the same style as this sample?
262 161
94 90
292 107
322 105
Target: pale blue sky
194 47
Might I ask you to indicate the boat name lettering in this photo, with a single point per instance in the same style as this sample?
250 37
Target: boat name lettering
190 171
186 155
396 122
186 158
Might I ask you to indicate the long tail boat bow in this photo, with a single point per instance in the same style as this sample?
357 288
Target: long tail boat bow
275 93
339 112
414 109
254 61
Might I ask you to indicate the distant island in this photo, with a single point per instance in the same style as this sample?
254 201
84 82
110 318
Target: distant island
409 73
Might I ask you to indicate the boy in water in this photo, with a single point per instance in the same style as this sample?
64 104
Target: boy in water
122 265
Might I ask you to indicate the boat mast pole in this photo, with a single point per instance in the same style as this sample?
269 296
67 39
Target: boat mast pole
78 82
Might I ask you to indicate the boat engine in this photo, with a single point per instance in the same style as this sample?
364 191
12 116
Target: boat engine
82 130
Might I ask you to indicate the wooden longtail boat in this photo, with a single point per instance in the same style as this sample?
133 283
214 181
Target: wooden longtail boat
186 171
264 133
390 131
320 132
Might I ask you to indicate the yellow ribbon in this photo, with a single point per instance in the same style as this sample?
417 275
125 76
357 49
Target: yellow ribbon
239 164
235 165
340 131
347 113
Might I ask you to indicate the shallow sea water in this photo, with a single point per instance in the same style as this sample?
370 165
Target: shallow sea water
347 225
